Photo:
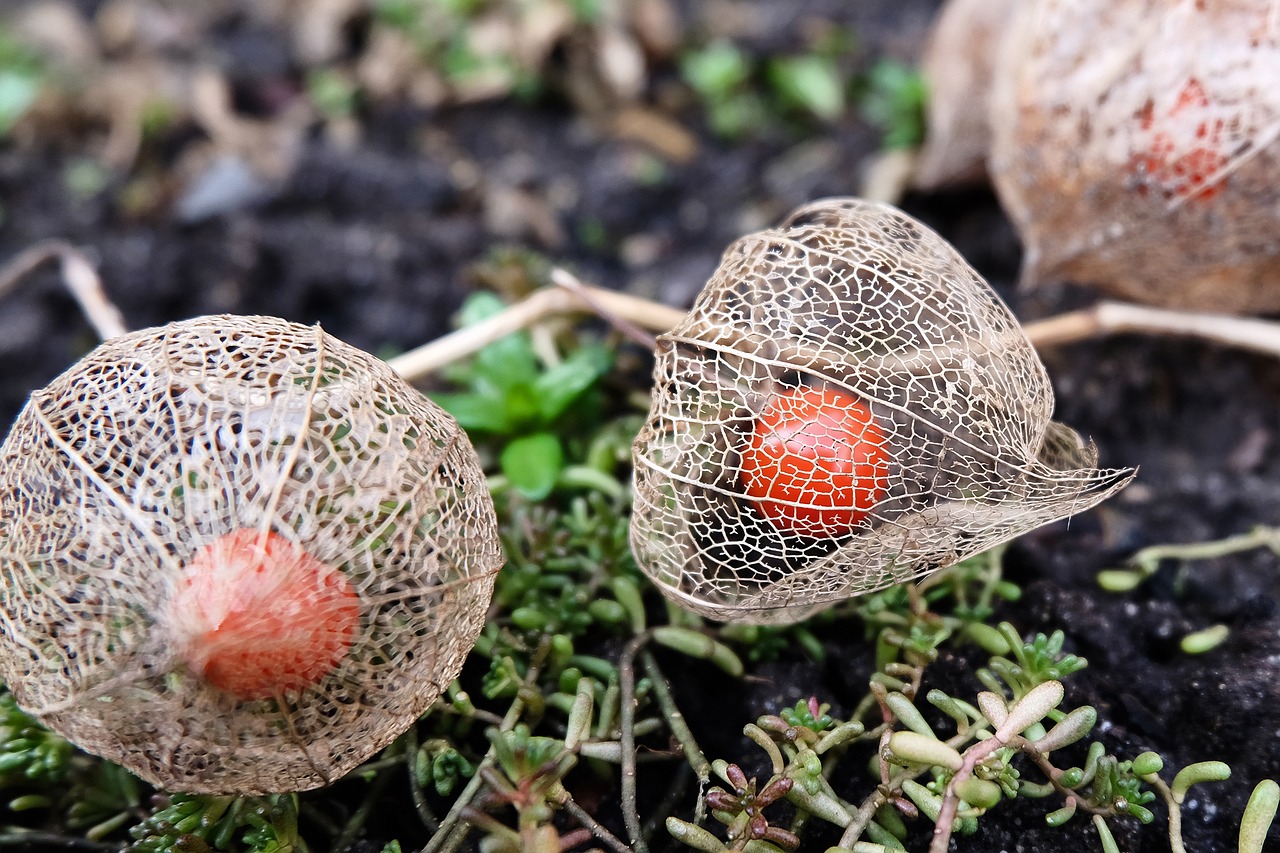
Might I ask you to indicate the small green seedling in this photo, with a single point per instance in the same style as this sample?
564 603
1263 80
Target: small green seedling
525 404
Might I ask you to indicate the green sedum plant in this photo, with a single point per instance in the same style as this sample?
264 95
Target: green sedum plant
1001 744
30 754
205 823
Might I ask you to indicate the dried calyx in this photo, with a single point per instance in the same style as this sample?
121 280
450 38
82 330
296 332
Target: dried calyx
847 405
958 65
240 556
1135 145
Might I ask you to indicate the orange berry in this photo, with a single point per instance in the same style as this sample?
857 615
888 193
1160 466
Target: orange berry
816 463
257 616
1187 174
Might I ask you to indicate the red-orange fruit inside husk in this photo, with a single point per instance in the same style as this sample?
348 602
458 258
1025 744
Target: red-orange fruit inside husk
1187 174
256 616
816 462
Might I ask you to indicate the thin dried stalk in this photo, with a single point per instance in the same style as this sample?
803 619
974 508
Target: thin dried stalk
1116 318
79 277
571 296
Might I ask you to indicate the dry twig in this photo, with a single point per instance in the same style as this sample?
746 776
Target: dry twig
571 296
1115 318
78 275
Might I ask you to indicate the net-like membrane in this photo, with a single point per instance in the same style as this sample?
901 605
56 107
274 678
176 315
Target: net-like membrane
1136 144
168 452
846 406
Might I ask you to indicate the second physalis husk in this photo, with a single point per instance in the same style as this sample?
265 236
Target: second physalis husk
240 556
958 65
846 406
1136 144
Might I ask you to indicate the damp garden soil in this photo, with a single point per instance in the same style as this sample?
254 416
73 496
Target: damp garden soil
374 242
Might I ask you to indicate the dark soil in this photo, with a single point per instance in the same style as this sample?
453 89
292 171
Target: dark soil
374 242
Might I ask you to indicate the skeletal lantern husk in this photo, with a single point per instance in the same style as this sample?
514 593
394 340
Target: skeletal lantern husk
861 299
159 445
1135 146
958 65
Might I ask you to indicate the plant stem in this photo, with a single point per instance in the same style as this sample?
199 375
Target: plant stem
357 820
1176 844
79 277
420 805
1148 559
675 722
450 834
375 767
973 756
567 802
861 818
1115 318
534 308
627 720
679 729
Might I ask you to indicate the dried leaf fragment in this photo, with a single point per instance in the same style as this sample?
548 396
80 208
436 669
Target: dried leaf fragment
915 422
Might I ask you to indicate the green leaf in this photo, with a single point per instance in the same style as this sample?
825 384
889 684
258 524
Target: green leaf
561 385
981 793
533 463
894 102
1199 642
1147 764
476 411
694 836
1071 728
17 94
587 11
507 362
697 645
915 748
1104 835
398 14
333 94
715 71
1194 774
809 82
737 114
523 407
1030 709
1120 580
479 307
